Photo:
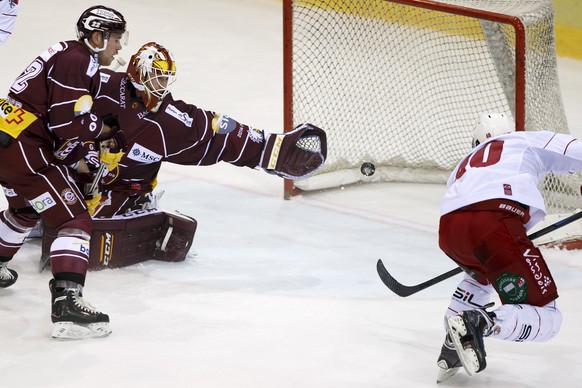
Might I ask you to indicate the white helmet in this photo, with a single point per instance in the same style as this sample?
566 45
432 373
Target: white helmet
152 71
491 125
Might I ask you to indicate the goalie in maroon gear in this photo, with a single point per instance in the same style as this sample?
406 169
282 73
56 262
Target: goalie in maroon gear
158 128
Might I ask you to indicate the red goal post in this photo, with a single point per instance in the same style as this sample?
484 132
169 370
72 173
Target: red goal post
400 83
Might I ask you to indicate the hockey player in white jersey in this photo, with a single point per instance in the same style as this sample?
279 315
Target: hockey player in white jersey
491 202
8 13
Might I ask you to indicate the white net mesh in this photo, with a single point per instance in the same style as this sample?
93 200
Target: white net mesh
402 86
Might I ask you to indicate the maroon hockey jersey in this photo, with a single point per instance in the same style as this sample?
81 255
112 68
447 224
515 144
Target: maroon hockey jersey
177 132
50 88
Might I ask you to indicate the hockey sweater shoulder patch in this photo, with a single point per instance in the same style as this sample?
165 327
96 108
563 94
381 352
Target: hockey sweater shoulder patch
14 120
55 48
177 114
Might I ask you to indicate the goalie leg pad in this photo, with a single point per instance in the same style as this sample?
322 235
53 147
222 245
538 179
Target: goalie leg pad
133 238
177 234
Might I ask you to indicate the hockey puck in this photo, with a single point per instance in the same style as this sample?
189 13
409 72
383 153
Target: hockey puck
368 169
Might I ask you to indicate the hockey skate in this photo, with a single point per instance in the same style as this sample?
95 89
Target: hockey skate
74 318
466 331
448 362
7 276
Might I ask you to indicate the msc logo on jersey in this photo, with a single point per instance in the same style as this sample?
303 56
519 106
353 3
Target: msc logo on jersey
183 117
43 202
141 154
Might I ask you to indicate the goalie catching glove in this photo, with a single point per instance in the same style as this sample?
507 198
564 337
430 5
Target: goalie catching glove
296 154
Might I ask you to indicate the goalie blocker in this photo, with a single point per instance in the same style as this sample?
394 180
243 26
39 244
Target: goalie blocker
133 238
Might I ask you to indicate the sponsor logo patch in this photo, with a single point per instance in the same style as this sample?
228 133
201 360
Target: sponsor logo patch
512 288
106 248
104 77
141 154
68 196
93 67
55 48
222 124
256 135
465 297
66 149
543 280
43 202
183 117
9 192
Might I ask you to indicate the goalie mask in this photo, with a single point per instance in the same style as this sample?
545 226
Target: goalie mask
491 125
103 19
152 72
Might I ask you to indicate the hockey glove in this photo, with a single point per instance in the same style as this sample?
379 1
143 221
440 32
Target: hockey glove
112 122
296 154
112 150
110 159
92 156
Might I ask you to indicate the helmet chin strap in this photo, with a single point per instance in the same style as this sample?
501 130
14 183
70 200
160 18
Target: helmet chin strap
96 50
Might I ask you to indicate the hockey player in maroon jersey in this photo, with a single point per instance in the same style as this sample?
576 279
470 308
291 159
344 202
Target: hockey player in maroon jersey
50 105
491 201
128 228
158 128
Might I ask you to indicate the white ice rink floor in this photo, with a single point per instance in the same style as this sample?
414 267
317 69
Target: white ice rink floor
275 294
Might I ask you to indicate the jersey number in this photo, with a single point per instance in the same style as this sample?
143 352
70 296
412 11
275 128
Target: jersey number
30 72
486 156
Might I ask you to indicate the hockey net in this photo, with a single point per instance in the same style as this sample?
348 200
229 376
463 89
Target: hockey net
400 84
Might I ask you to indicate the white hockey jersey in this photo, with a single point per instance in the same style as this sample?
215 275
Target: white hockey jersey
510 166
8 12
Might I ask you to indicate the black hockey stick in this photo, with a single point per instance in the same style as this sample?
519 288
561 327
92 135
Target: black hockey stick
404 291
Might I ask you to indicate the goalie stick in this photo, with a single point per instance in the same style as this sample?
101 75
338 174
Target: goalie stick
404 291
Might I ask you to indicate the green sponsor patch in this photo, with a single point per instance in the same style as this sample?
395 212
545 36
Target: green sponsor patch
512 288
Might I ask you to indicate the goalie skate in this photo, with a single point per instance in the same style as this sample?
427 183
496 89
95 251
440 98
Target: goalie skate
466 331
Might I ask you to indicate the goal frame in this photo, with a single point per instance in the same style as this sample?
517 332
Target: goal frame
520 61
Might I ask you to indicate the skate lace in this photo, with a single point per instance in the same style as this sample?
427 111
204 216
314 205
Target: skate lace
489 318
5 274
83 304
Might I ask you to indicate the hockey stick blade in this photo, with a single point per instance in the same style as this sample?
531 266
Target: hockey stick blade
404 291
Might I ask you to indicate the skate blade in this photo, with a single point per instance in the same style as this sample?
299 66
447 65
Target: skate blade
444 372
72 331
456 328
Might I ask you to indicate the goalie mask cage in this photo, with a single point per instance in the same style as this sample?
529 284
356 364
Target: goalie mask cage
401 83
